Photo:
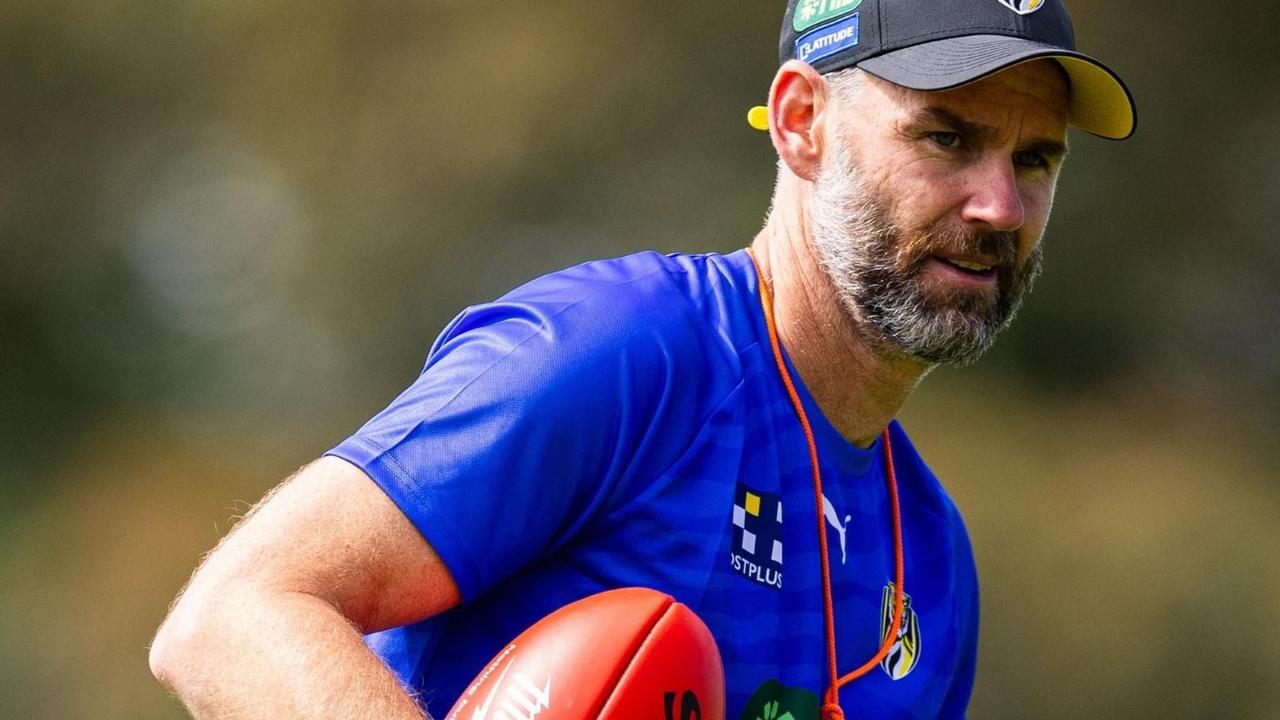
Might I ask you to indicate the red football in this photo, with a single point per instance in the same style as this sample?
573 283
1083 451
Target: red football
621 654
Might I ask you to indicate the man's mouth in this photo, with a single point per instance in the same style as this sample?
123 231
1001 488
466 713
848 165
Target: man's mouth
972 268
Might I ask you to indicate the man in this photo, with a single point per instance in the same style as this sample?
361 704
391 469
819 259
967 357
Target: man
655 420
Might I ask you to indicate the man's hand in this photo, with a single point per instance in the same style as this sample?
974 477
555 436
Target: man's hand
270 625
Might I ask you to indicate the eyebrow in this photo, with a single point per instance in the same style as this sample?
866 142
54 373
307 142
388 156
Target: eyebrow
968 128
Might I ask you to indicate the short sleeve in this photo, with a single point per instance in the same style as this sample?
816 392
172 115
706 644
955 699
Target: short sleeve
535 412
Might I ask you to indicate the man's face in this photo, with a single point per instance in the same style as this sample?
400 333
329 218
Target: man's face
928 209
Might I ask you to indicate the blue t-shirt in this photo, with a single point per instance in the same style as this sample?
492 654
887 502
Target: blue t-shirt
623 423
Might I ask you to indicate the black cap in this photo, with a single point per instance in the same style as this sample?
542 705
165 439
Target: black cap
941 44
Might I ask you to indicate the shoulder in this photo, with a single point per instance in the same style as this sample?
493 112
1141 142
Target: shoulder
707 289
950 552
928 490
646 307
693 273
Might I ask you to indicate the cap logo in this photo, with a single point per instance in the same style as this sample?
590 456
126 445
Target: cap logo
1022 7
812 12
827 40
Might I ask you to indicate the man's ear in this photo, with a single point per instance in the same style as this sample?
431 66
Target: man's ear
797 117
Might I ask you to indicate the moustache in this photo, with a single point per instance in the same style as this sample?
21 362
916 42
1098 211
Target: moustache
1000 247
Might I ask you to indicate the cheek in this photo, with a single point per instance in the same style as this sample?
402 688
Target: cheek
1039 199
924 199
1044 204
1037 204
915 190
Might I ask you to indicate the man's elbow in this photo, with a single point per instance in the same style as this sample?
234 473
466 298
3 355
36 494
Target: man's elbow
172 648
184 645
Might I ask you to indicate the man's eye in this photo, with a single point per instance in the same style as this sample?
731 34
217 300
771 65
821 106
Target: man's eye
945 139
1030 160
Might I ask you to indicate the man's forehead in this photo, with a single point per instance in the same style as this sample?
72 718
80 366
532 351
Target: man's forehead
1036 91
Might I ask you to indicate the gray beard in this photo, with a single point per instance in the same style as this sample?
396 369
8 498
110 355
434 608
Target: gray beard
875 267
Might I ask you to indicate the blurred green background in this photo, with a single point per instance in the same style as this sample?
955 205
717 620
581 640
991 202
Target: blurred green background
229 232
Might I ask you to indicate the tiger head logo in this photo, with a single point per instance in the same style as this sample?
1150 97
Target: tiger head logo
1023 7
905 651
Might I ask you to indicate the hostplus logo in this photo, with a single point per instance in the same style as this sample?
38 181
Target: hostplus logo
757 536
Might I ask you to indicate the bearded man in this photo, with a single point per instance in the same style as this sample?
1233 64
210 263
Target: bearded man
710 426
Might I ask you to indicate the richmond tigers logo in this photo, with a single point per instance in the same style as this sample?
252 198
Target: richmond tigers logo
905 652
1023 7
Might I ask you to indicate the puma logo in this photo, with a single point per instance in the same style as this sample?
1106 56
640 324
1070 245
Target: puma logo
829 512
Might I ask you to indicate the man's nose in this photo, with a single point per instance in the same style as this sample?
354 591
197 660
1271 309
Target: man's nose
994 198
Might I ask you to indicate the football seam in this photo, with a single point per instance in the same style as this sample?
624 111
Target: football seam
633 654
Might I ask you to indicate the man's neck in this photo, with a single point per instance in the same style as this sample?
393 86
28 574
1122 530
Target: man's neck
858 388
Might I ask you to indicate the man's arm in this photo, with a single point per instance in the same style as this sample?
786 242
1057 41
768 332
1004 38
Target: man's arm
270 625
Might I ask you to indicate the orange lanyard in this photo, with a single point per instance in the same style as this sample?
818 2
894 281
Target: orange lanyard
831 702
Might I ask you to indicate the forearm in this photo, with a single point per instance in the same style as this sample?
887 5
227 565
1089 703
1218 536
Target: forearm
251 653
